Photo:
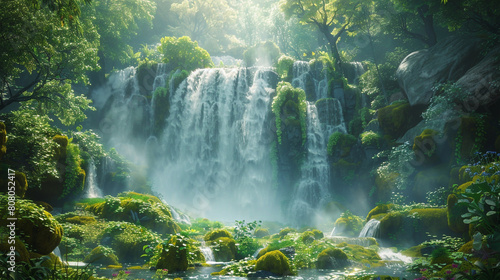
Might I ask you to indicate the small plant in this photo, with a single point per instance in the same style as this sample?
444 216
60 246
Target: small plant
160 274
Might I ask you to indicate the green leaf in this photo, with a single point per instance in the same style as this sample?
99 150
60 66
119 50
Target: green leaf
491 213
490 202
466 215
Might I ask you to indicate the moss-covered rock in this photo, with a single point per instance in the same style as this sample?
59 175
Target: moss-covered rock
18 181
332 258
102 255
51 260
307 237
275 262
425 147
385 185
217 233
81 220
22 254
349 225
224 249
174 257
284 232
261 232
379 209
397 118
143 209
38 230
360 254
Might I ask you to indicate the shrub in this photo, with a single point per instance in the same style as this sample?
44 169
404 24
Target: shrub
184 54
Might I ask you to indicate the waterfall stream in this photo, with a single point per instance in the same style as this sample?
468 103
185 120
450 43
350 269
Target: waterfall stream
92 189
371 229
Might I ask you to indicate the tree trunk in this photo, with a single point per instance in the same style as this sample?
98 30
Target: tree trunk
428 20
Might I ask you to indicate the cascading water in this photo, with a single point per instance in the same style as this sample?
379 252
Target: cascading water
217 145
315 87
92 189
207 253
311 190
371 229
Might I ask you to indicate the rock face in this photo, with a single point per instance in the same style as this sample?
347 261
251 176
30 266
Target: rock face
482 81
448 60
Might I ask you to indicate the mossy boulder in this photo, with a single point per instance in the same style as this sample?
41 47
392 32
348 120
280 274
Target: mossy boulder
22 254
81 220
217 233
274 262
332 258
414 226
261 232
127 239
224 249
379 209
18 181
102 255
284 232
364 255
385 185
174 256
37 228
349 225
307 237
397 118
425 147
146 211
51 260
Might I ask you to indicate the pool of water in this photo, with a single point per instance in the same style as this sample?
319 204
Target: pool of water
393 269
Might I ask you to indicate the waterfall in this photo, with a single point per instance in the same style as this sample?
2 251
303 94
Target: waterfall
315 85
333 231
371 229
387 254
311 191
216 144
92 189
207 253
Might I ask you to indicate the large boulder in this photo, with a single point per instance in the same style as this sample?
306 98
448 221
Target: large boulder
275 262
332 258
482 81
37 228
448 60
174 256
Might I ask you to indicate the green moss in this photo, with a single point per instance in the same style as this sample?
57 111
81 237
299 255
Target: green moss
424 146
339 141
275 262
361 254
289 105
379 209
397 118
3 140
102 255
224 249
145 73
74 175
147 211
217 233
414 252
81 220
36 227
349 224
371 139
261 232
441 256
284 232
307 237
285 68
174 256
332 258
22 254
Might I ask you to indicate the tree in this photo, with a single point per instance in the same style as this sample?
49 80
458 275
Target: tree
333 18
117 22
475 15
184 54
40 57
203 20
413 15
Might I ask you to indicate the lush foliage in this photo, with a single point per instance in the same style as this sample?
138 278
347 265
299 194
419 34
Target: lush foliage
289 96
184 54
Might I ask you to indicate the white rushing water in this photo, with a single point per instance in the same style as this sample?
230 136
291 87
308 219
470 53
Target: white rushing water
92 189
216 144
207 253
371 229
